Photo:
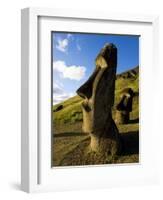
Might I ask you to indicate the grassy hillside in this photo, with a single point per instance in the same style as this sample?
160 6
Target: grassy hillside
72 113
70 142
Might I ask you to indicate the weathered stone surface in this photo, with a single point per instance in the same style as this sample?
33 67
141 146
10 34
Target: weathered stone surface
98 95
124 107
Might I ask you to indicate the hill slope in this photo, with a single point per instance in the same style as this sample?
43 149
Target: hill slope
71 111
70 143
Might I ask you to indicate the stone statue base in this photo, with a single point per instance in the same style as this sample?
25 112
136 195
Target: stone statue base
107 143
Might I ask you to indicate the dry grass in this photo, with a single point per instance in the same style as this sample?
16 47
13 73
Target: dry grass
71 148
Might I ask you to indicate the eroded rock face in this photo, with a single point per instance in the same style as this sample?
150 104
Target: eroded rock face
124 107
98 95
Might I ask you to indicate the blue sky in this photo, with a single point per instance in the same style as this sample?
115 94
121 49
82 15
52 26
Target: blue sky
74 59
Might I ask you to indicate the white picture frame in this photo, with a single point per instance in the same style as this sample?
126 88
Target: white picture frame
36 171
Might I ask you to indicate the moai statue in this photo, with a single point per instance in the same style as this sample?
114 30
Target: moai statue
124 107
98 95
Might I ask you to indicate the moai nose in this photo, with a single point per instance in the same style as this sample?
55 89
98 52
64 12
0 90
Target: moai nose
85 91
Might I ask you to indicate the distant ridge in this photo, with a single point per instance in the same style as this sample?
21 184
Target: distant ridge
131 73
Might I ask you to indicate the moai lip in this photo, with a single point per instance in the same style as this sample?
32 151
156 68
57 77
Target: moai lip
98 98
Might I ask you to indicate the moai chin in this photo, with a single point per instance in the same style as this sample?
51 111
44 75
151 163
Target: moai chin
124 107
98 95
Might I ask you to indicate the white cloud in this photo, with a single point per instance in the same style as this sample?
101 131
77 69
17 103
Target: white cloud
62 45
78 47
69 36
60 84
59 94
72 72
60 98
57 89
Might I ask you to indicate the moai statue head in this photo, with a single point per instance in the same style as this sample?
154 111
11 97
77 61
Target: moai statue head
98 95
124 107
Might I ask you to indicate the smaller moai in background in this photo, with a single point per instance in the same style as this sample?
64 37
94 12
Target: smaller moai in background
124 107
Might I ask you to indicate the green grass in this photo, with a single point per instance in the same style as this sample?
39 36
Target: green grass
70 113
70 144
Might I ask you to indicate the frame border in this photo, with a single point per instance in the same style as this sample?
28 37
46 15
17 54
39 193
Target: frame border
30 79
